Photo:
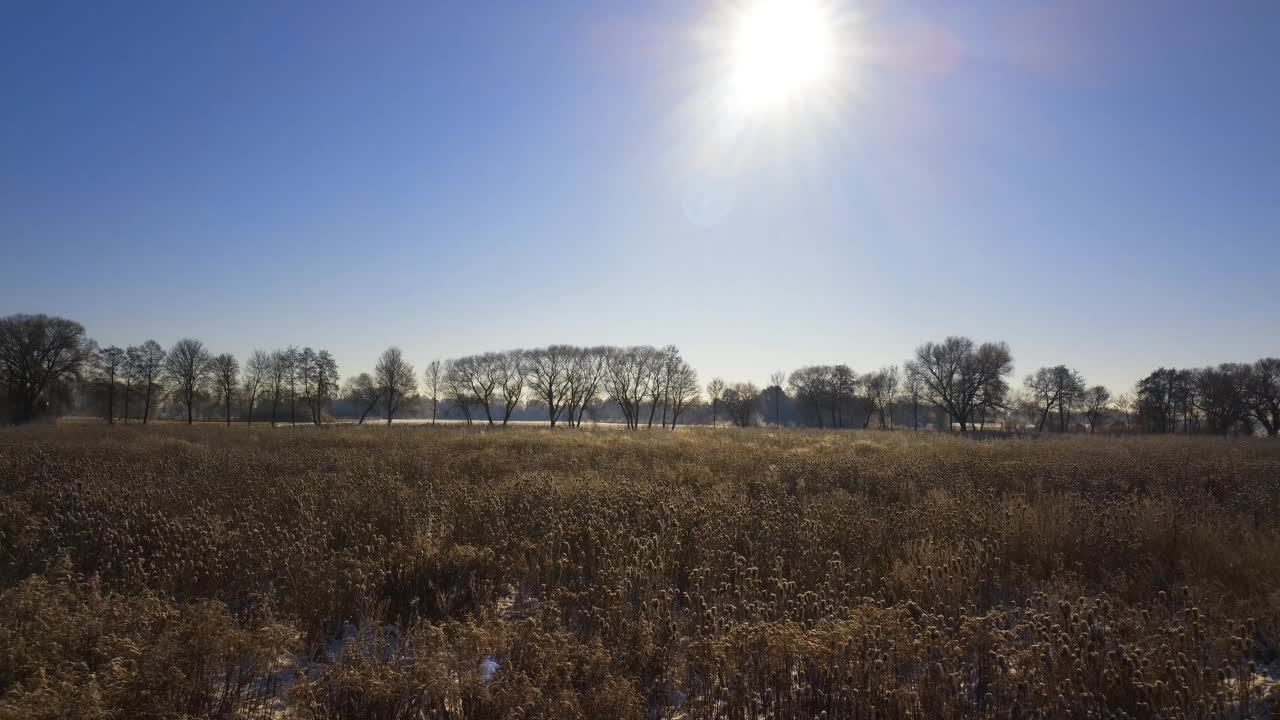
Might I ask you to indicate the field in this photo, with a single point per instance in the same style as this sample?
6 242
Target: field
418 572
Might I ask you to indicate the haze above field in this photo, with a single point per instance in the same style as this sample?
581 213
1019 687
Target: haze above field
1093 182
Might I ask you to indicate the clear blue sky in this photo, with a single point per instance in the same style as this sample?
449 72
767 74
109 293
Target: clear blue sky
1095 182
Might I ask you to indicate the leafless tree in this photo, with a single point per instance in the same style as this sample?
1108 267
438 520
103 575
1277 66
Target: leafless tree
1220 395
586 376
811 386
548 372
682 389
775 389
1053 388
364 393
149 364
256 372
1097 403
277 379
956 374
658 364
396 379
741 401
715 393
37 354
226 378
880 388
307 374
433 383
913 390
511 380
129 373
326 384
1262 394
457 388
627 379
109 362
291 358
188 368
843 387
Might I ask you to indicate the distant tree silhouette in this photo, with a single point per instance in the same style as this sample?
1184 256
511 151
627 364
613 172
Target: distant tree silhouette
257 371
396 380
1097 403
188 367
110 362
961 377
365 393
776 381
37 354
548 371
433 383
913 390
148 363
1262 394
226 379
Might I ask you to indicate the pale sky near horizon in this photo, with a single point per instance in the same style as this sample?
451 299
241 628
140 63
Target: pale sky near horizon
1096 183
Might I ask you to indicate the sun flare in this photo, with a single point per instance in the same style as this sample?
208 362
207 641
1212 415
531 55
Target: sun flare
780 52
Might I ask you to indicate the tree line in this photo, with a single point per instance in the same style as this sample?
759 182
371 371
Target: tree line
48 364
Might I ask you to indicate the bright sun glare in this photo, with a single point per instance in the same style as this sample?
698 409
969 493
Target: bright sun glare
780 52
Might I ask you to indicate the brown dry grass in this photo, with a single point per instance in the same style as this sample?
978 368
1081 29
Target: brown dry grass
373 572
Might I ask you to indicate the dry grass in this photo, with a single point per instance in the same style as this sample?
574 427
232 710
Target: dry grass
414 572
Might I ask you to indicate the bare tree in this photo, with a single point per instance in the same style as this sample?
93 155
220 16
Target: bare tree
307 374
812 386
364 393
775 389
682 389
396 380
481 375
715 393
956 374
1054 388
548 371
188 368
627 380
291 358
277 379
226 378
256 373
913 387
433 383
843 387
741 401
150 368
880 388
1220 396
1262 394
109 362
1097 402
586 376
511 380
129 373
457 388
37 354
326 384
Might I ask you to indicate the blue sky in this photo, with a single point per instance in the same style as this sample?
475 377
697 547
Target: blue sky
1096 183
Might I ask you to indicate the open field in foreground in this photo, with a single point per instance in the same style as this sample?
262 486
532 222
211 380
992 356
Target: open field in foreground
413 572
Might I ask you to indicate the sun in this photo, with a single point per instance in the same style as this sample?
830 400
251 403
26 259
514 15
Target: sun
780 52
